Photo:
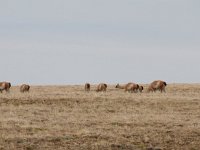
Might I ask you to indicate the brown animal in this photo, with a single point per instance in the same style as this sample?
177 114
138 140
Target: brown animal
157 85
120 86
141 88
87 87
101 87
5 86
130 87
24 88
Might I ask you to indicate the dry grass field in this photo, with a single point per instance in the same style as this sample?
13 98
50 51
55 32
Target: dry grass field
67 117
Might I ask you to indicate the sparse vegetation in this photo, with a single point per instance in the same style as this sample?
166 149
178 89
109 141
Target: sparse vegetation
67 117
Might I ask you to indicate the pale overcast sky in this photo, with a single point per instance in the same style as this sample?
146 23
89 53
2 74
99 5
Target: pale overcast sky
78 41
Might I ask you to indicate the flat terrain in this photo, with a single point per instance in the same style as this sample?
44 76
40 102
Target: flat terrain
67 117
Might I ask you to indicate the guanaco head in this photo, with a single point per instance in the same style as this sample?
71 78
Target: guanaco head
117 85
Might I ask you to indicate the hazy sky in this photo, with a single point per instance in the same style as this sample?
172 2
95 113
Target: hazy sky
78 41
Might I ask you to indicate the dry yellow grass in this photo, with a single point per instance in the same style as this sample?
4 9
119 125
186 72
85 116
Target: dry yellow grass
67 117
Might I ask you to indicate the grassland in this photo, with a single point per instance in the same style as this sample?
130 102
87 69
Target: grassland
67 117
